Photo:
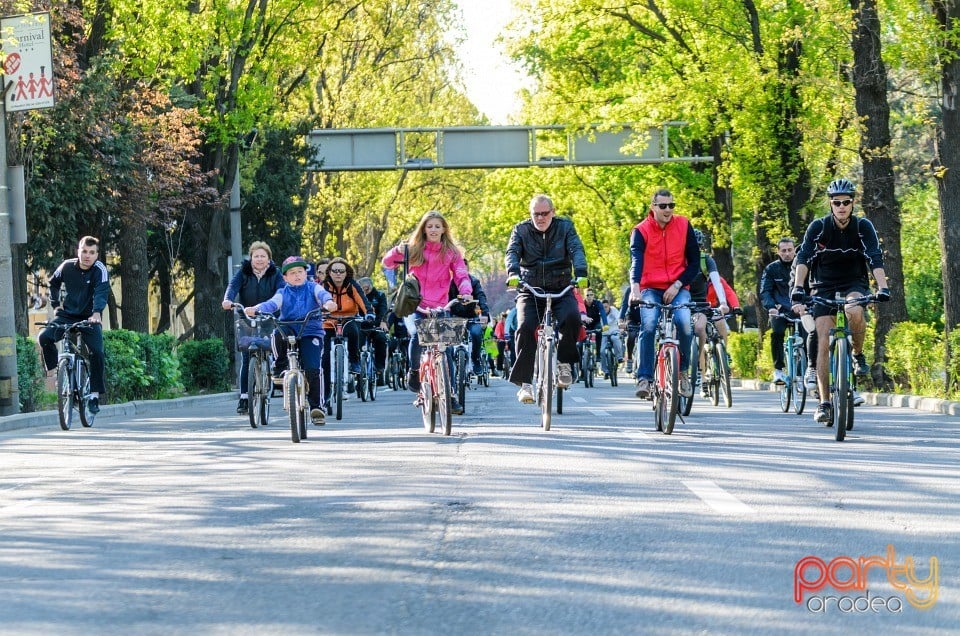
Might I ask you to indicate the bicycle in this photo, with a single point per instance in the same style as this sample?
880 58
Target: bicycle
462 370
253 336
436 333
485 364
367 378
338 366
843 381
295 386
398 365
545 361
717 363
588 358
795 356
608 357
73 374
666 372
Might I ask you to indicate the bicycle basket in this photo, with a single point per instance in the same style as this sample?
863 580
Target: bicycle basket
253 333
441 331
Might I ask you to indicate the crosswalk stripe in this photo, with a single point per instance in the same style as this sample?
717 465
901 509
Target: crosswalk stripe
717 498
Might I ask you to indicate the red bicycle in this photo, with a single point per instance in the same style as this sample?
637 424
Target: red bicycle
437 332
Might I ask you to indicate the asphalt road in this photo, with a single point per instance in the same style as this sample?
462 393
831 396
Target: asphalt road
187 521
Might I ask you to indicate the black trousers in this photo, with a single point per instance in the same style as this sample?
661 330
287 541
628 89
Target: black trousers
530 311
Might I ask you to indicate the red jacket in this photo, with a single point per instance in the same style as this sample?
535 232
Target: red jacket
732 301
664 258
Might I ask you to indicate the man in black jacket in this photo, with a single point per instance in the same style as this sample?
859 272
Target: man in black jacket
542 250
87 289
378 307
775 298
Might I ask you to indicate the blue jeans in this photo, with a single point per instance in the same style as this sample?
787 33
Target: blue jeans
649 317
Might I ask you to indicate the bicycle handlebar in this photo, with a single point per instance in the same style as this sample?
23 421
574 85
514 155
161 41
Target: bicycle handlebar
72 326
432 311
539 292
837 303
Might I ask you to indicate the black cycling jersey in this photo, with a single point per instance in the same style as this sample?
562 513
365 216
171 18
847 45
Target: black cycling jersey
840 257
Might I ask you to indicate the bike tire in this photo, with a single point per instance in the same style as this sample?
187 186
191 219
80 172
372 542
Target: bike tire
255 391
786 389
547 382
460 368
444 394
841 391
671 403
291 392
612 367
686 403
361 379
64 394
714 364
83 393
725 387
799 386
372 381
428 406
587 364
339 364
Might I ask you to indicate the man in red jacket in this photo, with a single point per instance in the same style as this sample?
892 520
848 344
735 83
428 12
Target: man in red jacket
664 259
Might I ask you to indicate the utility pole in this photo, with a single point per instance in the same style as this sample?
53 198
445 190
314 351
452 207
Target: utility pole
9 385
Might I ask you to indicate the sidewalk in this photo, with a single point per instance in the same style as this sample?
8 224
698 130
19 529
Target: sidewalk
896 400
140 407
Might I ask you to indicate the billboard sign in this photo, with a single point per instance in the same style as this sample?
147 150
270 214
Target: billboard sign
27 61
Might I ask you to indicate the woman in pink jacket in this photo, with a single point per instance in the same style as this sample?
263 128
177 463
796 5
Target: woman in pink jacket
435 259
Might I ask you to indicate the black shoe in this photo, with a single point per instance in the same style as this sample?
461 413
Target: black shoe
93 405
455 407
860 367
413 381
380 381
824 414
242 406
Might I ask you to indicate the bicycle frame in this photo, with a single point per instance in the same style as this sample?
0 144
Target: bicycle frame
436 388
73 373
338 364
259 387
795 356
295 386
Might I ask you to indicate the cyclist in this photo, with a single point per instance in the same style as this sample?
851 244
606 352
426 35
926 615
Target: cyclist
707 276
294 301
350 302
611 332
775 297
85 282
472 311
543 249
594 319
836 251
490 343
665 258
257 280
435 259
378 307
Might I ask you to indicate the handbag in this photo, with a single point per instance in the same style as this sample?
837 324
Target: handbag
407 297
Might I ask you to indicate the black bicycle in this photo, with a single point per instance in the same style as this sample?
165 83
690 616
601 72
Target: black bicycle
73 373
253 336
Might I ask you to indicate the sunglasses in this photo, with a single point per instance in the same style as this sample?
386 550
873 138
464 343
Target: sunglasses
666 206
844 203
542 214
338 271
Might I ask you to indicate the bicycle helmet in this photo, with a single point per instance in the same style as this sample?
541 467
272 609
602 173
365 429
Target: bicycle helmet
700 238
840 186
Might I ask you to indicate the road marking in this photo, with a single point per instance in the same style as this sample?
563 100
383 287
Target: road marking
577 398
600 413
718 498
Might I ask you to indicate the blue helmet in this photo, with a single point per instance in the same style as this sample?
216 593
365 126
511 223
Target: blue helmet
840 186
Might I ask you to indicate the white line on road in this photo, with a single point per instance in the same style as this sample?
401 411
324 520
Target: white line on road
600 413
577 398
718 498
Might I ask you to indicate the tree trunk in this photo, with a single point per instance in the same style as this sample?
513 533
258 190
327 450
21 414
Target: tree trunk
21 297
134 276
947 169
879 201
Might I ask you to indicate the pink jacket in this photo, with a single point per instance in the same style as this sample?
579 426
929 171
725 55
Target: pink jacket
435 273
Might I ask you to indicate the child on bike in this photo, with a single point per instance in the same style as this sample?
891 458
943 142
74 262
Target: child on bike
294 302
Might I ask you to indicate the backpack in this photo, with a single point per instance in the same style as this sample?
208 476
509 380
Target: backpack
407 297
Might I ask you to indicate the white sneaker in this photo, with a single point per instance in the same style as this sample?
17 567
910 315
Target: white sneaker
564 375
685 389
779 377
858 399
810 379
525 394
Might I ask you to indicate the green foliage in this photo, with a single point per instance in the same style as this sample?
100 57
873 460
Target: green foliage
954 370
140 366
915 354
743 348
923 278
204 364
30 375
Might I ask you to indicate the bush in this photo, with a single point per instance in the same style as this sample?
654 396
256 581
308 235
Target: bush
915 354
743 348
30 375
205 364
955 362
140 366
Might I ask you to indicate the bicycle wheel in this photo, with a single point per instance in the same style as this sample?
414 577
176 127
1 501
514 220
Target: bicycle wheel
292 396
612 367
721 350
371 379
799 386
361 379
460 368
549 353
83 393
428 407
444 393
713 362
256 391
587 364
671 388
64 394
841 391
339 363
686 403
786 389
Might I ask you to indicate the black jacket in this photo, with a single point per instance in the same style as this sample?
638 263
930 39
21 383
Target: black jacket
378 304
775 285
248 290
470 311
87 290
544 259
840 257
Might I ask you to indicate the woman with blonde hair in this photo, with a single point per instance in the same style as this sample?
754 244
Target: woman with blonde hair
436 260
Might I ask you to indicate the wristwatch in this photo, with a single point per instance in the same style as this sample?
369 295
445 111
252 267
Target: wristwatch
677 284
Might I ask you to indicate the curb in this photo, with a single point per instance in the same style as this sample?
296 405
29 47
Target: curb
894 400
139 407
